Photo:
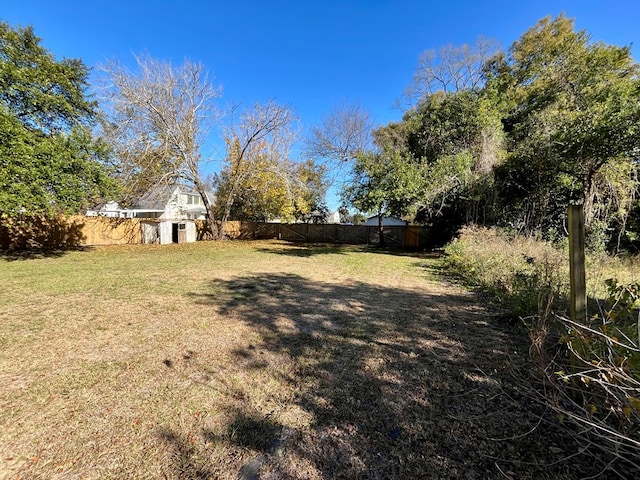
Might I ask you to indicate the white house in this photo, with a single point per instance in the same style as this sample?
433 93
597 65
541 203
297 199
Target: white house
386 222
169 212
110 209
333 217
171 202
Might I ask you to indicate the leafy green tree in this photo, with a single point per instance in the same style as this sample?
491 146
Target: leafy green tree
310 189
49 160
384 183
257 160
452 127
572 107
448 124
263 191
456 138
553 121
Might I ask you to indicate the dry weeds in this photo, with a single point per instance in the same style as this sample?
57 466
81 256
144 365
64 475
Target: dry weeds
258 360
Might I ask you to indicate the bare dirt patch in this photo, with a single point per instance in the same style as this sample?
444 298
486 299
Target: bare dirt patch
259 360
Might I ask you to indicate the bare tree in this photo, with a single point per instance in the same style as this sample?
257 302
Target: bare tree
263 131
157 119
344 133
451 69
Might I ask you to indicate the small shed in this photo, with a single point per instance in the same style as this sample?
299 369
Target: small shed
168 231
177 231
386 222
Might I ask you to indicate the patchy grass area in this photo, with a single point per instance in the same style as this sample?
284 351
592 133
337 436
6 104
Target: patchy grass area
258 360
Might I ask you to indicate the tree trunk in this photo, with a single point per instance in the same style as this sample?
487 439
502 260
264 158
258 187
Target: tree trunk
211 220
588 193
223 225
380 230
226 214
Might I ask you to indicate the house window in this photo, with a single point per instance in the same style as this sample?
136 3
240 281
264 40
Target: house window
193 200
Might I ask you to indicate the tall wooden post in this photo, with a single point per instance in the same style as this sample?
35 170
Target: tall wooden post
577 270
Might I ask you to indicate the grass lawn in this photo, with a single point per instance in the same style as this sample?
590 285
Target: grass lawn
257 360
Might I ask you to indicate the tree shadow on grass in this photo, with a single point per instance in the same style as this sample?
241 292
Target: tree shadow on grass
397 383
247 430
24 233
298 249
185 457
17 255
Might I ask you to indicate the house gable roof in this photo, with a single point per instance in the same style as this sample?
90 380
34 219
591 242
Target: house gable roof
157 198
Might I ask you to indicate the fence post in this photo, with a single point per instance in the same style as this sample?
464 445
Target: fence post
577 270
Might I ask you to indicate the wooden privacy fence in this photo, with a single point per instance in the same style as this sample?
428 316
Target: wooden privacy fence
111 231
76 231
397 236
38 231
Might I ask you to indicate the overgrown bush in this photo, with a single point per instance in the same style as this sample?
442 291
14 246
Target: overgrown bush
525 275
588 374
598 390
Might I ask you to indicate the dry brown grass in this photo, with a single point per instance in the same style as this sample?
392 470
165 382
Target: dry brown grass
257 360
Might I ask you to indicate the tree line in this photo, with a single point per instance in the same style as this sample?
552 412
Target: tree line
507 138
512 138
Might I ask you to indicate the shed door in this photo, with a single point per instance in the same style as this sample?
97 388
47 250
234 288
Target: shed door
178 232
174 232
182 233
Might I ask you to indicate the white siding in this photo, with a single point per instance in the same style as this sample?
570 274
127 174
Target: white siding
191 232
166 230
386 221
166 234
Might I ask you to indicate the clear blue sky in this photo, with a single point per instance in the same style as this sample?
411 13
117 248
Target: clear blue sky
307 54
